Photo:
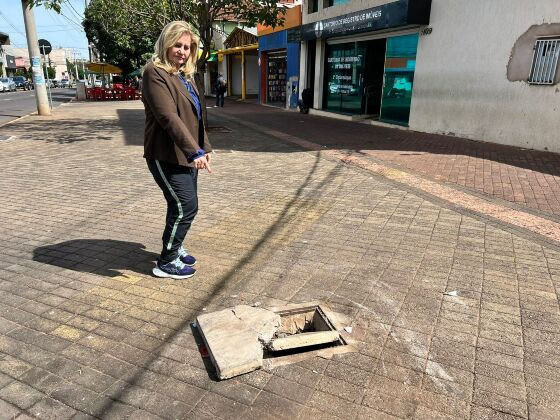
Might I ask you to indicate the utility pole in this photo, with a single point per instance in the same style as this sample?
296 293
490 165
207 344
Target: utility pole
75 65
35 59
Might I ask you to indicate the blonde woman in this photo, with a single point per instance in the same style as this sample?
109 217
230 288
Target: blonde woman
175 140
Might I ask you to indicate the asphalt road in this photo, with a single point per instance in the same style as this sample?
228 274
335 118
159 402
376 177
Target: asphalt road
17 104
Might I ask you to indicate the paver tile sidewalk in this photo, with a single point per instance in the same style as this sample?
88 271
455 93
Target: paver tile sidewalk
526 177
456 315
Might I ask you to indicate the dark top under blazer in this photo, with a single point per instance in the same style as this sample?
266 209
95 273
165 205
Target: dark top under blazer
172 131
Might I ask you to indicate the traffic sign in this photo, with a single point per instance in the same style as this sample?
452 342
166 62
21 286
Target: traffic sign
45 46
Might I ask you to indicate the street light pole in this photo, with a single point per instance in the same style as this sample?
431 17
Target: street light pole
35 59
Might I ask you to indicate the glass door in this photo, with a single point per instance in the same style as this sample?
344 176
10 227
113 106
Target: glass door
344 78
400 63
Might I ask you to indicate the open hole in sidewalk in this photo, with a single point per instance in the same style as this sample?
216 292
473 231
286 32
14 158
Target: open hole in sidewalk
305 331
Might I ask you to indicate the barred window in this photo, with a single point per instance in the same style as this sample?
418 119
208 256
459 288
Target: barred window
545 61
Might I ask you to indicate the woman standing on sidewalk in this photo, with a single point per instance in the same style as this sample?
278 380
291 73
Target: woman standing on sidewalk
175 140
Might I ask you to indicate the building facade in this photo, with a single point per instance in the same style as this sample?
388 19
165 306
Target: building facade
56 59
279 61
476 69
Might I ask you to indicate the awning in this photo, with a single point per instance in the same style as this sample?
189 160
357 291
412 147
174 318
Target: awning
213 55
235 50
137 72
104 68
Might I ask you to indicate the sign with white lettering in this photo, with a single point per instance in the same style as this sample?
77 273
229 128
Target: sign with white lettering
390 15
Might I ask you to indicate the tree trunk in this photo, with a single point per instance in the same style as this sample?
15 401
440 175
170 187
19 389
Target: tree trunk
199 80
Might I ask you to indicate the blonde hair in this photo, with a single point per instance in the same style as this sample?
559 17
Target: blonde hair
168 37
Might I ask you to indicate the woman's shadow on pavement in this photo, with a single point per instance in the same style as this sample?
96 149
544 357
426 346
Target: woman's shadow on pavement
105 257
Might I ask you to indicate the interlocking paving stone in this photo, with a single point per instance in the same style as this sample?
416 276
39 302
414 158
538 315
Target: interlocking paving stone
86 331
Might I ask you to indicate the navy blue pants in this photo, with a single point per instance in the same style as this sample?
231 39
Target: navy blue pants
220 98
178 184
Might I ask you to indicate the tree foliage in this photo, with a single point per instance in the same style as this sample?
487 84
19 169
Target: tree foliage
124 31
51 71
72 70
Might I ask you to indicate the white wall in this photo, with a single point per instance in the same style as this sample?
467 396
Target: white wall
235 74
461 85
251 75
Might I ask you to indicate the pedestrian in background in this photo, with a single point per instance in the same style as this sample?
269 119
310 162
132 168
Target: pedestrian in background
175 140
221 87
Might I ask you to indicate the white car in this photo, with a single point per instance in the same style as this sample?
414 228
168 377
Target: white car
2 88
8 83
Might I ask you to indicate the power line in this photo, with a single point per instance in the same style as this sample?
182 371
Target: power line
75 11
10 23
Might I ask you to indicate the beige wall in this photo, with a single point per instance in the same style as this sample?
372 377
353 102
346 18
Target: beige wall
58 59
340 9
461 83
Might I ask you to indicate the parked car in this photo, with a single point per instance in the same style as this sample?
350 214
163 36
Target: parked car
65 83
9 84
55 83
1 86
22 83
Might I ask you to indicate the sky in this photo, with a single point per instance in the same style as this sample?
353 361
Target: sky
63 30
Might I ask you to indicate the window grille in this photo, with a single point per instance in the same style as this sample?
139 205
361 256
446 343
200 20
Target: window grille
545 61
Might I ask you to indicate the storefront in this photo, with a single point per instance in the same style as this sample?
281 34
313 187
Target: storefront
276 78
279 62
364 71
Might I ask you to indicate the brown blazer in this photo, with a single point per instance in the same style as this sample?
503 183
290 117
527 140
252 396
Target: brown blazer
172 131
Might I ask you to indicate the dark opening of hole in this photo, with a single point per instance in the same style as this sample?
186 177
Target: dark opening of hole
299 321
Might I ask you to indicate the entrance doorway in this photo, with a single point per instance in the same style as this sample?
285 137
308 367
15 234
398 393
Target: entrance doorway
276 78
354 77
371 78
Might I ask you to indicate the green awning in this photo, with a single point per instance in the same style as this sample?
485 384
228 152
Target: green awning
135 73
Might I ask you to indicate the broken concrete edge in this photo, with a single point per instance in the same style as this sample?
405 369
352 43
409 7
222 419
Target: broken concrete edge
269 364
303 340
233 338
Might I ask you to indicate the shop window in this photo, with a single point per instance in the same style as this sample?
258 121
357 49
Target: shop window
545 61
312 6
276 78
343 78
400 64
335 2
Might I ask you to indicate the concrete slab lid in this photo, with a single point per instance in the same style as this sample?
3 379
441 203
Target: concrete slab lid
234 338
303 340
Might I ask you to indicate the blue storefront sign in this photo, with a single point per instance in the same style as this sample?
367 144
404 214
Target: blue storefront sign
390 15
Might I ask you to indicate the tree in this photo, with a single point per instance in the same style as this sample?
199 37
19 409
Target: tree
51 71
124 31
72 70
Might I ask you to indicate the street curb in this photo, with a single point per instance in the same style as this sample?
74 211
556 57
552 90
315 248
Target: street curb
35 113
18 118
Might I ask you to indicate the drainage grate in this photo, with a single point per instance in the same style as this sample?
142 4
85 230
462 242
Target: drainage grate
218 129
